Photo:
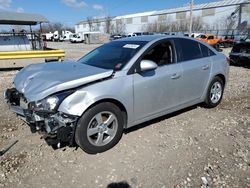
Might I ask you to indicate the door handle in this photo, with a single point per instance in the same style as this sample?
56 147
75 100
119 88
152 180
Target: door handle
175 76
205 67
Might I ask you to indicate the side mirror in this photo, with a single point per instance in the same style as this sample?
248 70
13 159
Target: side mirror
146 65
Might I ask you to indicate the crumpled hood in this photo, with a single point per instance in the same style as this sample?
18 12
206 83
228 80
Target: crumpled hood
38 81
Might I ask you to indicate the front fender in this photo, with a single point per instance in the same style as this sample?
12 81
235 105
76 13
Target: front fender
119 89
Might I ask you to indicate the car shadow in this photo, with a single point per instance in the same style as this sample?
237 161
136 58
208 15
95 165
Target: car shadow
157 120
122 184
10 69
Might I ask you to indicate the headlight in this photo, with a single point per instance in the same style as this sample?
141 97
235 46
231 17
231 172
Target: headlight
49 104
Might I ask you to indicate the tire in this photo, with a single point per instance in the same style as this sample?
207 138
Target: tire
214 93
100 128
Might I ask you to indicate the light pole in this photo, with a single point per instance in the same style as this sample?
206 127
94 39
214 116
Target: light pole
191 17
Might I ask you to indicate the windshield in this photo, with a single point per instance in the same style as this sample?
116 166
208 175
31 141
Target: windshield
114 55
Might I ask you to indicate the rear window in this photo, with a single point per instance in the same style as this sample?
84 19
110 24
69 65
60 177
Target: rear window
190 49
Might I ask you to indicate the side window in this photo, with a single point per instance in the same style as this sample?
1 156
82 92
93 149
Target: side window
161 54
211 53
206 52
210 37
190 49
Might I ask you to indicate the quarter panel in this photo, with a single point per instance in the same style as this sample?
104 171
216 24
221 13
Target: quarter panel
219 66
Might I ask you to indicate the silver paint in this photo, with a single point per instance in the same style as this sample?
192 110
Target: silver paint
144 95
38 81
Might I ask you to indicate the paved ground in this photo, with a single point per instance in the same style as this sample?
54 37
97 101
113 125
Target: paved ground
191 148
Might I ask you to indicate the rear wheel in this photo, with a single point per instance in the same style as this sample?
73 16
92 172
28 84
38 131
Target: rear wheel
214 93
100 128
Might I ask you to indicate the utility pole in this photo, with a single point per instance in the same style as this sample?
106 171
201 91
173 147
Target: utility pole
191 17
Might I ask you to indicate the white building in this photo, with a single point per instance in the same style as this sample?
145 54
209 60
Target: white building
226 14
94 25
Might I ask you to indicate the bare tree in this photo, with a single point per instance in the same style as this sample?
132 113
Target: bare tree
174 26
118 27
228 22
52 27
96 24
90 23
150 27
108 24
197 24
67 28
57 26
157 26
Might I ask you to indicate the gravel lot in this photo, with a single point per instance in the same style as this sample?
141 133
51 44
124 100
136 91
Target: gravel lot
195 147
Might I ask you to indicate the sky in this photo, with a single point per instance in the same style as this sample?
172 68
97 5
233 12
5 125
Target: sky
69 12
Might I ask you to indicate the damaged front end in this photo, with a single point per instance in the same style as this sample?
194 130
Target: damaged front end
57 128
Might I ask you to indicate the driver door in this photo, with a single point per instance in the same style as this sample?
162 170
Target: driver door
156 91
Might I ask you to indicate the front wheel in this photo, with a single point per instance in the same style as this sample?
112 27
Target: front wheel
100 128
214 93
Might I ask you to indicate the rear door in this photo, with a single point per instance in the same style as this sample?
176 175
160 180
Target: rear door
196 68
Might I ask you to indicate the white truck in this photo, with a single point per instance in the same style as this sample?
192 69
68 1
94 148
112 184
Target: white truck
48 36
76 38
51 36
66 35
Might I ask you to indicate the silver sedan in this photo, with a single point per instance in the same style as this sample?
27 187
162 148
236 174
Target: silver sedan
123 83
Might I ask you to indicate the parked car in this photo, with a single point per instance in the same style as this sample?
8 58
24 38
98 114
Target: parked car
131 35
240 53
227 41
116 36
116 86
195 35
210 39
138 34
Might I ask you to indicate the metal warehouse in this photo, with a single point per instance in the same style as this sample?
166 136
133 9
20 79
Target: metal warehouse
227 14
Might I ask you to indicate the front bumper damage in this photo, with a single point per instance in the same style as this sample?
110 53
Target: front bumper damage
57 128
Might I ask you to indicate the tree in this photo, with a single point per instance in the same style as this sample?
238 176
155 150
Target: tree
108 24
90 23
168 25
56 26
228 23
67 28
157 26
118 27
